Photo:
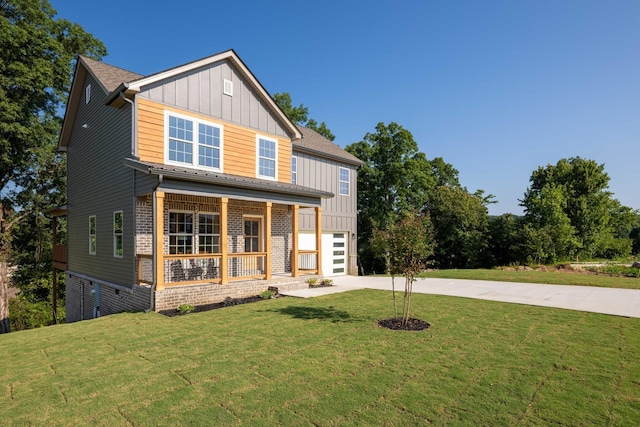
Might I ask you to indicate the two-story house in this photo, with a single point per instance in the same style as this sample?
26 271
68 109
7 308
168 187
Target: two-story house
191 185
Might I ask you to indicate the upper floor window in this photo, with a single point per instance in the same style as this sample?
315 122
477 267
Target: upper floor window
92 235
193 142
294 170
117 235
267 150
344 181
87 94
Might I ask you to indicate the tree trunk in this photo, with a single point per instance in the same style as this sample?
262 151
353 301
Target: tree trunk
4 298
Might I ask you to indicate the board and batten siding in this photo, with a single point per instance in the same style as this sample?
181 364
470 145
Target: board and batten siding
98 184
201 91
239 143
339 213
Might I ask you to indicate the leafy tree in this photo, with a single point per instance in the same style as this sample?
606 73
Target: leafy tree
406 247
300 115
571 202
394 180
460 220
503 240
37 51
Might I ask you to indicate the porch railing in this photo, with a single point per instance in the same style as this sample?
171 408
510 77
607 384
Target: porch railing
308 261
191 268
247 265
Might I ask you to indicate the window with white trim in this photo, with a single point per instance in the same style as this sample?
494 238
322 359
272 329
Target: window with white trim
267 151
87 94
208 233
294 170
344 181
180 232
184 238
118 248
92 235
193 142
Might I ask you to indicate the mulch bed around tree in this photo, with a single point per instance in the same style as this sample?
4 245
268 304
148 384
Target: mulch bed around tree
228 302
397 325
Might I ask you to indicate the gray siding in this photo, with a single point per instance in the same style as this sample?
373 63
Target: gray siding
99 184
339 213
201 91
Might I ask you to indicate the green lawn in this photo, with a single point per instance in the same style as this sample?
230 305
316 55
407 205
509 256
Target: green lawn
550 277
324 361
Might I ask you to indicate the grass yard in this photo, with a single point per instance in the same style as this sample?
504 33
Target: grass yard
548 277
324 361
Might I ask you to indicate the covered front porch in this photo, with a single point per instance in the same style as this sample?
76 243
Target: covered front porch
187 239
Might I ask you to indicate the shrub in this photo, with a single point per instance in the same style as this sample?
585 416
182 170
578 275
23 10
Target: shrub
312 281
267 295
24 314
186 308
326 282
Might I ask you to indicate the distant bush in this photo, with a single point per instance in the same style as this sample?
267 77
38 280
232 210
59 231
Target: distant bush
24 314
616 270
186 308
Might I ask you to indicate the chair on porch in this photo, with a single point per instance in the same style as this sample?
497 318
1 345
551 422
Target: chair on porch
195 272
212 270
177 272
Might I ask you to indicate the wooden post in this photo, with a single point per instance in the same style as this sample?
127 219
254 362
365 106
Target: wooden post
158 250
294 241
319 239
224 274
267 239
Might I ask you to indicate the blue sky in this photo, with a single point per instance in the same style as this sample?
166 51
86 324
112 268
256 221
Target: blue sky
496 88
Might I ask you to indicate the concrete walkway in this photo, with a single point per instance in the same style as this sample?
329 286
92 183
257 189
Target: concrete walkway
619 302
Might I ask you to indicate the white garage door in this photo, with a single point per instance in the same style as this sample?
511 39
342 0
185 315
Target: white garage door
334 251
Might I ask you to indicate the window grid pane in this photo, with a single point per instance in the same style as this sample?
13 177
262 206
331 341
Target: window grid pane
209 149
208 233
344 182
180 140
267 158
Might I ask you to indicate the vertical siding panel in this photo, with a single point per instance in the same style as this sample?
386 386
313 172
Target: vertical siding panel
193 90
215 77
246 103
169 93
255 113
182 94
205 90
155 93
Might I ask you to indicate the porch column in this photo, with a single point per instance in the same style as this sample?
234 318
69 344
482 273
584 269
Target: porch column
319 239
158 244
267 239
224 275
294 241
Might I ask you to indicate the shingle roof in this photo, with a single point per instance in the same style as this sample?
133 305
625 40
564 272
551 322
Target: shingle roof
109 76
317 144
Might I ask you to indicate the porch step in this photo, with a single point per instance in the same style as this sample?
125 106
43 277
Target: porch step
288 286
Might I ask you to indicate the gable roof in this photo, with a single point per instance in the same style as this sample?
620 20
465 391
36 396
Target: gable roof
115 81
314 143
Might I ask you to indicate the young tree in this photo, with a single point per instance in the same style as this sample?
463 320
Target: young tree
300 115
406 247
37 51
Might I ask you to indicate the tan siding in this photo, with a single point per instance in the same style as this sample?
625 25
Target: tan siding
239 143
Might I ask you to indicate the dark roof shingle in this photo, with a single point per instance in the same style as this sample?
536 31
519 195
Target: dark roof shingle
109 76
317 144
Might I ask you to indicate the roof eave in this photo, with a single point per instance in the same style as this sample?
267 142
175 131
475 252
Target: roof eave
326 155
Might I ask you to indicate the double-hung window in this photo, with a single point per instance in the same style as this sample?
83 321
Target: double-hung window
208 233
267 150
193 142
180 233
185 238
294 170
344 181
118 249
92 235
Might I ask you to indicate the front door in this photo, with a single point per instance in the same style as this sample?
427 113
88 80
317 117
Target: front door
253 243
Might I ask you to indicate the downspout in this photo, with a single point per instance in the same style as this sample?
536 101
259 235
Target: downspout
134 154
134 124
155 257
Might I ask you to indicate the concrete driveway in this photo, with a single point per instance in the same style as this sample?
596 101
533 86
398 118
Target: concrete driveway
619 302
